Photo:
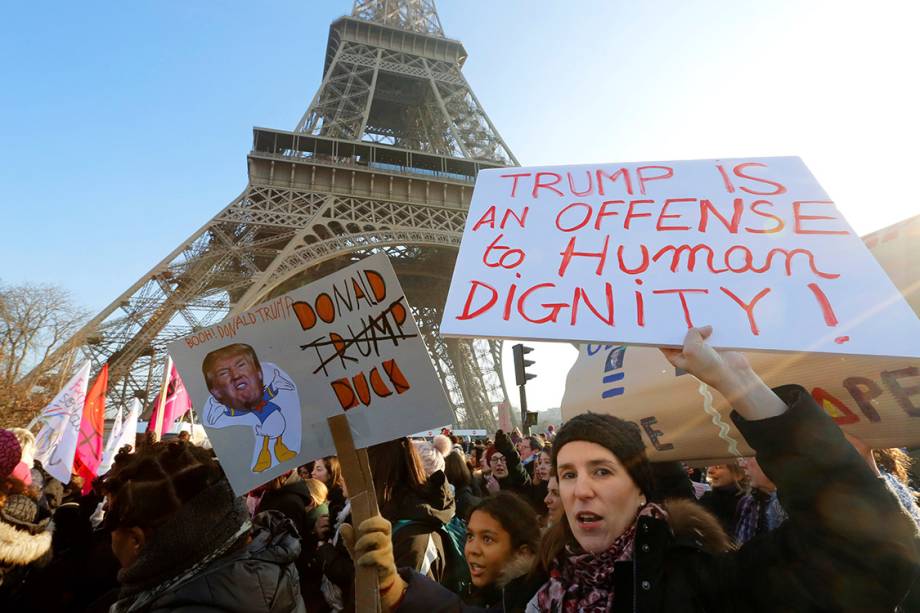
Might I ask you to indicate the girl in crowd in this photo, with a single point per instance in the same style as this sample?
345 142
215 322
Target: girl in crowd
846 545
502 539
185 541
329 472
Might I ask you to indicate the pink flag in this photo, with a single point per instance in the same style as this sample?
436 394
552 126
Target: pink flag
89 444
177 403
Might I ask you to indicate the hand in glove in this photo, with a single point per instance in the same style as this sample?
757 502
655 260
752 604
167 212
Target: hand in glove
374 549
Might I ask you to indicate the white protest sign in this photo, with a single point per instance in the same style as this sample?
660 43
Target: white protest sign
876 399
269 378
636 253
56 442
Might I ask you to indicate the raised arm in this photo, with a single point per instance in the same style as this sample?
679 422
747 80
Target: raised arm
728 372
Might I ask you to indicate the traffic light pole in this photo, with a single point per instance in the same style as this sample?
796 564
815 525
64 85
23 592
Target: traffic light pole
525 426
521 376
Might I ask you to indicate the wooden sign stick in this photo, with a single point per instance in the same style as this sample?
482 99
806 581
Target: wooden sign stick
360 483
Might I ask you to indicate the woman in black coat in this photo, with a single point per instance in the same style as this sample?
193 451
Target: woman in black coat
845 546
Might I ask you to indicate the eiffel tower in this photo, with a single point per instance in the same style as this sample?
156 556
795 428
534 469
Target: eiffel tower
384 159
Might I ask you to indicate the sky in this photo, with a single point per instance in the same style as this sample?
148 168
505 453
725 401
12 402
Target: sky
126 125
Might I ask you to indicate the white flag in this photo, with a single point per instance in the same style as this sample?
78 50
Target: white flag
56 442
123 433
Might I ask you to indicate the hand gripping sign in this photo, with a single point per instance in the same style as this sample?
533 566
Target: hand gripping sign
637 253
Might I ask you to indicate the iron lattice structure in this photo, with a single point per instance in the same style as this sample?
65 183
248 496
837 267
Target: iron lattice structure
384 159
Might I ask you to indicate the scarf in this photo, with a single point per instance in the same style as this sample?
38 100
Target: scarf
582 581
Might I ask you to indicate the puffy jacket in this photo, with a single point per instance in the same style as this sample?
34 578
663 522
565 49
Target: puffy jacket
257 577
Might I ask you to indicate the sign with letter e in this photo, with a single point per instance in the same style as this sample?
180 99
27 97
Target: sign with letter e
637 253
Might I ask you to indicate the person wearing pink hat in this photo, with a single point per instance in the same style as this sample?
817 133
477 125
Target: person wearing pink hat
25 540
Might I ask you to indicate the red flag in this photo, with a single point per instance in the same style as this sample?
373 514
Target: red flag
89 443
177 403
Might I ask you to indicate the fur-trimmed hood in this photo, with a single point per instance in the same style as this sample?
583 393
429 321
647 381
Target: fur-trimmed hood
689 520
20 547
519 566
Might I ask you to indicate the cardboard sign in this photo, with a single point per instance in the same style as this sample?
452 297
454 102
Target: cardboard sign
680 418
875 399
637 253
268 379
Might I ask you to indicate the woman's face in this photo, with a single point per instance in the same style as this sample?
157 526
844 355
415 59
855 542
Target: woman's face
319 471
719 475
499 465
599 497
488 548
484 465
543 467
553 501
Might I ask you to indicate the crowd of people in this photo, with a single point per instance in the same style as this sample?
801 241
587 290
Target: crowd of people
569 519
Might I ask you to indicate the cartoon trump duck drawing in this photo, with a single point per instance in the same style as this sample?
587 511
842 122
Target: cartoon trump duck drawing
239 397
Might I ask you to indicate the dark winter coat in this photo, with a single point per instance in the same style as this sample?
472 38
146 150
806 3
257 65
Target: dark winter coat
427 511
466 500
723 503
846 546
256 576
291 500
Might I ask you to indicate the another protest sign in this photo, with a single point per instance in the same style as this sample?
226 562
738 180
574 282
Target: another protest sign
876 399
637 253
267 379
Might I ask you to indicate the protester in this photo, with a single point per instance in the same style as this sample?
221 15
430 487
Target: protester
329 471
507 472
894 467
25 537
542 470
185 541
458 475
419 507
474 462
316 532
528 448
845 546
759 511
553 502
896 464
728 483
500 550
289 495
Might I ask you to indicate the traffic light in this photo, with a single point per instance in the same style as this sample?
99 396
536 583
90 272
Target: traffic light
521 376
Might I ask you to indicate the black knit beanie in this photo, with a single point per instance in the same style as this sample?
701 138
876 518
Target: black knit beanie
621 437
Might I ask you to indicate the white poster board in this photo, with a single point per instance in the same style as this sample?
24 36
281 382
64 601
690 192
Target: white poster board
636 253
876 399
346 343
